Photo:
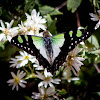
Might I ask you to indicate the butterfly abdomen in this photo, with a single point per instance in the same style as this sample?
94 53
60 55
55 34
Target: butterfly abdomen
48 46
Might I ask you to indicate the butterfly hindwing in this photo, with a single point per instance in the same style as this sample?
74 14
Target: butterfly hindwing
57 43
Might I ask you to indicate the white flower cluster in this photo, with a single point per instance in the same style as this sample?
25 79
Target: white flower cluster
96 17
7 33
31 26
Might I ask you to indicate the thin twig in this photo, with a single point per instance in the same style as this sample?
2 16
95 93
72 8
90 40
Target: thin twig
96 67
60 6
78 19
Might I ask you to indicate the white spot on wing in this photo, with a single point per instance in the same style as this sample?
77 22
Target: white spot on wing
82 37
21 45
69 47
27 43
75 42
86 35
31 51
18 44
79 39
28 48
12 40
71 38
25 47
71 43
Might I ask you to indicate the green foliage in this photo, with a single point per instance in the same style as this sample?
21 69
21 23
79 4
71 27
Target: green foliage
51 24
49 10
73 5
7 52
93 40
28 5
2 46
62 92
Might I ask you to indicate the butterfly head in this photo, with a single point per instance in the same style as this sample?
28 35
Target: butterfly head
46 34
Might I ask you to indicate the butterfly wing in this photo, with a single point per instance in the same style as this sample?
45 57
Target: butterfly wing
61 45
57 43
66 44
33 45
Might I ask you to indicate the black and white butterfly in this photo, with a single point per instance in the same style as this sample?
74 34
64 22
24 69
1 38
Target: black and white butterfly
50 51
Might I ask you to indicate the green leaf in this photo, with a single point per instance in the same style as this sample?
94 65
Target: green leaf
70 98
73 5
98 93
6 54
30 75
28 98
51 24
93 40
2 45
44 10
62 92
95 52
29 4
97 59
0 11
49 20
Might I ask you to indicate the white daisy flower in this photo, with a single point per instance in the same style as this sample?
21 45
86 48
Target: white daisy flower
73 62
35 21
17 80
7 33
26 30
38 67
22 60
47 79
96 17
45 94
67 76
15 63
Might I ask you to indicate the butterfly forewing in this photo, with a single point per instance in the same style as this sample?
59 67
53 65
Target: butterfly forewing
30 44
69 44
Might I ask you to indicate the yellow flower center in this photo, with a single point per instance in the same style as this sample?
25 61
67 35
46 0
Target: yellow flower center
70 60
26 57
44 97
16 79
99 17
25 29
47 78
6 31
34 29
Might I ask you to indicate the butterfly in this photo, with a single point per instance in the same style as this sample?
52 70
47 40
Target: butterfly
50 51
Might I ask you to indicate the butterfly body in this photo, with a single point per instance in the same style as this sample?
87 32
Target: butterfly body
50 51
48 48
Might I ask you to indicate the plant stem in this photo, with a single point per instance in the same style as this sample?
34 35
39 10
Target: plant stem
78 19
60 6
25 70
